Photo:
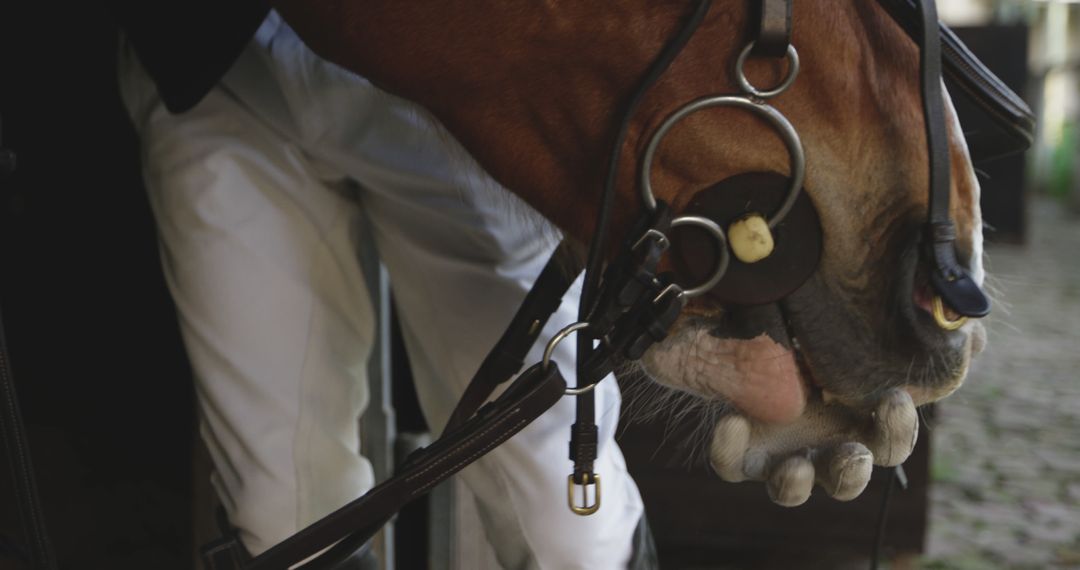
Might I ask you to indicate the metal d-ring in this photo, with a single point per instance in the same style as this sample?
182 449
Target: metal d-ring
550 349
763 110
725 258
792 57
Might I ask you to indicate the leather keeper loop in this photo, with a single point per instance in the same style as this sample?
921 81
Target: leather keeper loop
940 232
584 440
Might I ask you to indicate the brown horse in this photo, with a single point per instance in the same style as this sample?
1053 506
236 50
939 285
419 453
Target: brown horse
533 89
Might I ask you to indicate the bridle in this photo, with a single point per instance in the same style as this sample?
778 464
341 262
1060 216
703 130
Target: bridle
952 284
627 305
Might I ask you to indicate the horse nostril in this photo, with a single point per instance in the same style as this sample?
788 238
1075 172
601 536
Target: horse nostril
926 299
923 297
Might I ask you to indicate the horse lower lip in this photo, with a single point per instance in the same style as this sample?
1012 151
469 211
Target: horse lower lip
923 297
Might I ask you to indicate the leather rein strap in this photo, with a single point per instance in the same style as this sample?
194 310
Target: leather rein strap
529 396
947 276
508 355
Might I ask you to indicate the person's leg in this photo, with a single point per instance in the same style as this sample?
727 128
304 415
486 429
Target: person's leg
260 258
458 277
461 254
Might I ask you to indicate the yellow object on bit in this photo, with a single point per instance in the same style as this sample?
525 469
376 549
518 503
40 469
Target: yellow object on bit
750 239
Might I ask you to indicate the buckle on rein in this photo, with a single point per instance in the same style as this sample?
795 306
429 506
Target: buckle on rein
585 509
635 310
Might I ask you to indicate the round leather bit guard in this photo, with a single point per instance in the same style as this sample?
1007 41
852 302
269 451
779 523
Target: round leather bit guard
798 240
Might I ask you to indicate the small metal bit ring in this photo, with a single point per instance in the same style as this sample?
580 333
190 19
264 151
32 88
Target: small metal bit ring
559 337
792 57
550 349
722 249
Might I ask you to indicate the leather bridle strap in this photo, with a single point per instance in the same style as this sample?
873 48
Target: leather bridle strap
583 444
937 136
774 28
508 355
948 278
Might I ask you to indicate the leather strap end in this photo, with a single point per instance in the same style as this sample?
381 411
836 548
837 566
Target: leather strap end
960 292
774 28
941 232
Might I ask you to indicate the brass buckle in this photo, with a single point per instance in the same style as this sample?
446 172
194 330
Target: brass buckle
592 479
940 318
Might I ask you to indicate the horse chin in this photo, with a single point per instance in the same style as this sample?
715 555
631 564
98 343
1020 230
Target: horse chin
929 392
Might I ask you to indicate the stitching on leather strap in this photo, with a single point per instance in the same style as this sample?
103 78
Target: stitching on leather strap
480 452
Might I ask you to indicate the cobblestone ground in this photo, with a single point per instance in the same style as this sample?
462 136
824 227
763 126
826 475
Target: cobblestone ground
1006 460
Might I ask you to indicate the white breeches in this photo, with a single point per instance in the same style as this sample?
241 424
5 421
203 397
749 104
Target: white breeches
259 193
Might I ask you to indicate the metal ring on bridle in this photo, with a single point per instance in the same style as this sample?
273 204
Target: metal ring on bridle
550 349
748 88
765 111
725 258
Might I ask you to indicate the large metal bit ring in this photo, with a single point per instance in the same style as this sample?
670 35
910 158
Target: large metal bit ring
771 115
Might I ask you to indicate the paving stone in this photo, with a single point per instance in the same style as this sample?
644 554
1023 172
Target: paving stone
1072 492
1065 461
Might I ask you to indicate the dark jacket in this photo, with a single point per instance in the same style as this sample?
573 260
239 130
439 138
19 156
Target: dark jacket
186 47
